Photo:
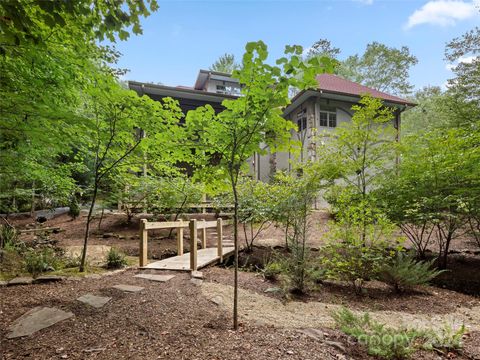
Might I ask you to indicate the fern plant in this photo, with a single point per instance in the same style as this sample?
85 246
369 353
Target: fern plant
404 272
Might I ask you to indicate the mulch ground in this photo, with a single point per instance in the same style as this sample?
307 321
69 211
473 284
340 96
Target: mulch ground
170 320
165 321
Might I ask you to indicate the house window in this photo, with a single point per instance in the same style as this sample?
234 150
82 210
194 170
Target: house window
328 119
302 120
221 89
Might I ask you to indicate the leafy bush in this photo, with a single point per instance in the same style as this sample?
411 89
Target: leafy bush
8 236
74 208
271 270
393 343
38 261
404 272
358 246
382 341
115 259
447 338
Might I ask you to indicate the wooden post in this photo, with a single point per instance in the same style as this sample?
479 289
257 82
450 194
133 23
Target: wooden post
220 239
193 245
143 243
180 239
204 236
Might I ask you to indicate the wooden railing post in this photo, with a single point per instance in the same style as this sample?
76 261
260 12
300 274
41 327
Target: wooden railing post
143 243
204 235
193 245
220 239
180 239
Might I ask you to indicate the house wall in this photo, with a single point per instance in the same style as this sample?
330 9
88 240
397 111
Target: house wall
211 86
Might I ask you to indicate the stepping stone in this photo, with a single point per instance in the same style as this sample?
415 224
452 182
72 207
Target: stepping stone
21 281
48 278
3 283
93 300
128 288
160 278
36 319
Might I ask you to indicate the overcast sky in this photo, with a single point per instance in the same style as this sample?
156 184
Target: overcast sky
185 36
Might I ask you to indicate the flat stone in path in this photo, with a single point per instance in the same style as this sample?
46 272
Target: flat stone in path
36 319
48 278
93 300
128 288
160 278
21 281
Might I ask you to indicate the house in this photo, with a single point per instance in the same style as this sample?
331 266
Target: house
313 110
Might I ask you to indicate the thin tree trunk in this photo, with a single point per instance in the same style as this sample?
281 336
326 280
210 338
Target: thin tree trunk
235 242
87 228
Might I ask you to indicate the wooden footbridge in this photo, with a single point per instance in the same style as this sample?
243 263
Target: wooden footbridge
193 260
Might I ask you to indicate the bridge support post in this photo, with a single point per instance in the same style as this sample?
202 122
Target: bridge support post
204 235
143 261
180 239
193 245
220 239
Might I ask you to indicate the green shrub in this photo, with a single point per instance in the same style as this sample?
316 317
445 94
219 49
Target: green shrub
404 272
271 270
8 236
115 259
446 338
380 340
38 261
353 263
74 210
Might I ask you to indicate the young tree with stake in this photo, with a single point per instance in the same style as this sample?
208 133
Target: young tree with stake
254 119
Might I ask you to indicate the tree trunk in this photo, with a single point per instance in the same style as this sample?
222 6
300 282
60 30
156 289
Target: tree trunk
87 228
235 242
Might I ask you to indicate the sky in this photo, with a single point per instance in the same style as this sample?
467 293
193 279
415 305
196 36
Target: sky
185 36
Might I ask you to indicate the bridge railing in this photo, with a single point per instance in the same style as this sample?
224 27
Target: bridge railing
195 227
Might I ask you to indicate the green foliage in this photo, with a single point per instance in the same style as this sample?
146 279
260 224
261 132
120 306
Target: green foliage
225 63
294 198
446 338
74 210
8 236
404 272
381 67
272 269
436 186
359 245
38 261
34 21
380 340
115 259
466 83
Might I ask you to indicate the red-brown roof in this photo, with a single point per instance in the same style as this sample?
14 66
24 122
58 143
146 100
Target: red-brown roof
335 84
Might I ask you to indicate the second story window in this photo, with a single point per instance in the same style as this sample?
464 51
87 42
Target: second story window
221 89
328 119
302 120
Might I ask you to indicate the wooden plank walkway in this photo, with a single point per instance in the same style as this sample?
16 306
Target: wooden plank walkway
205 257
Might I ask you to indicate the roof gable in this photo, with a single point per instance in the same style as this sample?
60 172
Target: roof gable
335 84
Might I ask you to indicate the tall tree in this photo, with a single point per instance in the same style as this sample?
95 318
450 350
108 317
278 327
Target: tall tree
464 53
225 63
252 120
381 67
323 47
115 118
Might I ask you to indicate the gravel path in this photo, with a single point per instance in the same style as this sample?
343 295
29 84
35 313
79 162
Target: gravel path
266 310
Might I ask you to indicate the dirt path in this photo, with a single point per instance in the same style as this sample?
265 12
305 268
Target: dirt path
264 310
